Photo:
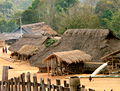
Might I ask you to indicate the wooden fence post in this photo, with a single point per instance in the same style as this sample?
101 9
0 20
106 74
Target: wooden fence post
28 82
4 77
11 83
5 73
19 84
74 83
66 86
35 85
42 85
23 81
15 87
58 83
49 84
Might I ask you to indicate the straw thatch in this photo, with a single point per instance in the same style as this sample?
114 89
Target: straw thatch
37 28
29 39
28 50
74 56
96 42
8 36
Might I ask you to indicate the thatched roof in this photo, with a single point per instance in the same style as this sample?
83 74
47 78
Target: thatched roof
96 42
8 36
74 56
28 49
29 39
37 28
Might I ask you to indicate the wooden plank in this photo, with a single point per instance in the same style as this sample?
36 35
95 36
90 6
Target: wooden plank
5 73
15 87
111 54
35 85
49 84
19 89
11 83
23 81
28 82
66 86
74 83
58 83
2 86
53 87
42 88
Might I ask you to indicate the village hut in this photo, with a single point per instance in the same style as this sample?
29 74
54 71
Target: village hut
67 62
28 39
26 52
40 28
96 42
113 60
9 38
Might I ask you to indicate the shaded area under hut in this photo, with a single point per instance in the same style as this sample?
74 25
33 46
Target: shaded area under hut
67 62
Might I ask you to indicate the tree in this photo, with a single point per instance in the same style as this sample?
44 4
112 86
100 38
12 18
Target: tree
114 24
30 16
78 17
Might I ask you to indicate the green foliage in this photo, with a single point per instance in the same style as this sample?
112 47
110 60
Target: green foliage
105 17
63 5
49 42
7 25
30 16
78 17
114 24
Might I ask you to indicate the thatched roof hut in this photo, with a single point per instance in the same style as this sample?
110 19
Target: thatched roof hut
74 56
29 39
67 62
39 28
96 42
28 50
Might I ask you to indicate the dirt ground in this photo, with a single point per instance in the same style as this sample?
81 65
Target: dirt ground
99 84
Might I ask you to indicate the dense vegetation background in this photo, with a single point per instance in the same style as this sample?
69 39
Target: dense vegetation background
61 14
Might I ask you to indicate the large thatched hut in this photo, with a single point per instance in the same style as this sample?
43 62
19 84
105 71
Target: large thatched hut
96 42
67 62
40 28
29 39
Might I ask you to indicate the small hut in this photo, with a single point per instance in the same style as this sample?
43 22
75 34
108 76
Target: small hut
113 60
27 51
67 62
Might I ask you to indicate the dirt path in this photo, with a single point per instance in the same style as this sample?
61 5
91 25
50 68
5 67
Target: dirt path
99 84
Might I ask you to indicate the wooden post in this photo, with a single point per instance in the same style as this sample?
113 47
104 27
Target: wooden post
23 81
11 83
66 86
5 73
35 85
58 83
28 82
48 68
15 80
42 87
74 83
49 84
4 76
19 89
